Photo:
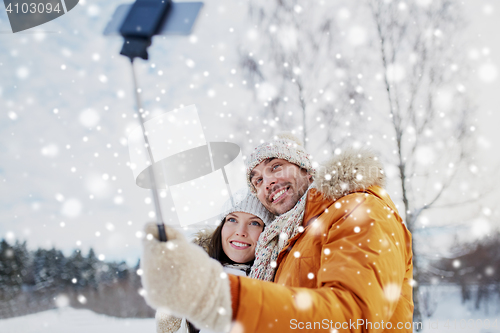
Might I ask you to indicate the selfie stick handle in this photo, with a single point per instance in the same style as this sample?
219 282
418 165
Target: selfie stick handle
154 190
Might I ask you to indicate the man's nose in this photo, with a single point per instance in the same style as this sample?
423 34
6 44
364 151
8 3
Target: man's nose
268 181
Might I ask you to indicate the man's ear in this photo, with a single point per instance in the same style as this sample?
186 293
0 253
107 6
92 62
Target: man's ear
308 175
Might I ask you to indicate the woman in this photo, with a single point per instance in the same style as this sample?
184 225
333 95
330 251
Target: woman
232 243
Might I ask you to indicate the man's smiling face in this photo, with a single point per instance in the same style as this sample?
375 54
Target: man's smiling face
279 184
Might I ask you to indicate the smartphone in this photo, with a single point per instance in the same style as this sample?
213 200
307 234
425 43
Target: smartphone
144 18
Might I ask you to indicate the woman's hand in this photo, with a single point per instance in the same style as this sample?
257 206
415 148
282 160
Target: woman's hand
182 278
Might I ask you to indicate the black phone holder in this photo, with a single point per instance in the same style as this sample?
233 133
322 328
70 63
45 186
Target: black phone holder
143 21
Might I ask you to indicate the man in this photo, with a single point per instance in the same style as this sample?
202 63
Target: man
337 256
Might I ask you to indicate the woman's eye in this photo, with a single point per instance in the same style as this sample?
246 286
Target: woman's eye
255 223
231 219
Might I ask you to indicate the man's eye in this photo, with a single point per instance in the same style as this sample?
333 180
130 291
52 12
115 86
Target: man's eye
258 181
276 166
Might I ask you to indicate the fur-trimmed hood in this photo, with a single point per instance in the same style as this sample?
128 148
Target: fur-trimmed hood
352 170
203 238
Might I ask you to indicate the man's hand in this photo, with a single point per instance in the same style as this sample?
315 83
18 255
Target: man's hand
182 278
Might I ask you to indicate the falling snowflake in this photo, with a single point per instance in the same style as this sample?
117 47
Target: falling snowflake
487 73
71 208
392 292
62 301
395 73
357 36
50 150
303 300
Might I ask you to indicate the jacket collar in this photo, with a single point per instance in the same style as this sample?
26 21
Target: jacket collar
355 170
352 171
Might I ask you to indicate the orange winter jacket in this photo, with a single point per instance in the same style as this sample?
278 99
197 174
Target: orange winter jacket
350 270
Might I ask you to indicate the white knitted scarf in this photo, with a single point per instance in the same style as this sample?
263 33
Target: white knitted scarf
273 240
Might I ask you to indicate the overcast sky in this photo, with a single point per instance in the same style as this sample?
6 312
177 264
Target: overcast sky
66 107
485 47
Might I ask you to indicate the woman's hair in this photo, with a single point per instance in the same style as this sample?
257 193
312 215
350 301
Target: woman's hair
215 246
215 251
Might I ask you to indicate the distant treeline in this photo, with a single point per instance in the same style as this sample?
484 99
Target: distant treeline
33 281
475 267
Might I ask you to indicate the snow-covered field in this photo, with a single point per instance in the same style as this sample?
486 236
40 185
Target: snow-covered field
453 316
69 320
450 316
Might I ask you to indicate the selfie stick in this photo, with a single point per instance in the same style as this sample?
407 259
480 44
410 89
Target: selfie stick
154 190
138 23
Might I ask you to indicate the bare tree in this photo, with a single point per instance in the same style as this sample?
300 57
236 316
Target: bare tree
303 79
401 87
430 113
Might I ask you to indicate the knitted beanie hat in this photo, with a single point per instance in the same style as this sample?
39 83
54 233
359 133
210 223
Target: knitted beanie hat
285 146
245 202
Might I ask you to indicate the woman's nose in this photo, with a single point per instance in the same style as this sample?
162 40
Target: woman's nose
242 231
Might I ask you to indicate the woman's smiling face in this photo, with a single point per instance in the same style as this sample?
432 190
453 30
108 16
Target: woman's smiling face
240 233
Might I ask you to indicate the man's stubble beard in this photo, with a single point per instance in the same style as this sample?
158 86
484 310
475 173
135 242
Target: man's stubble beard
302 188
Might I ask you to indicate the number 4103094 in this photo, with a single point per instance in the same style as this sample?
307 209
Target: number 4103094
471 324
33 8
